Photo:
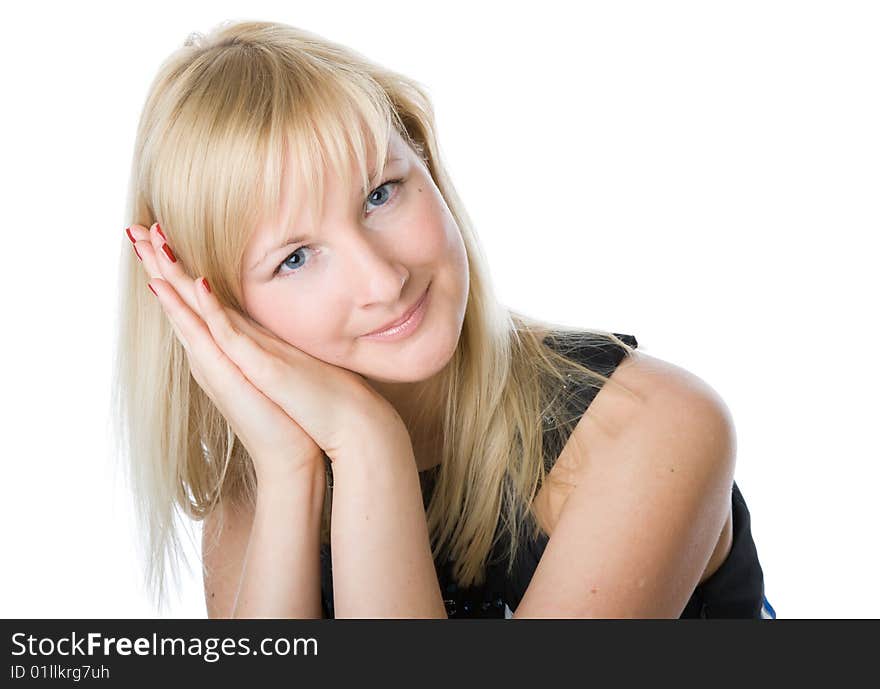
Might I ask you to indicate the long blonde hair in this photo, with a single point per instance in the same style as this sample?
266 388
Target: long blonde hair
218 119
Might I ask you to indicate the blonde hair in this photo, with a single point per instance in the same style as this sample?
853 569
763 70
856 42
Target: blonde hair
220 116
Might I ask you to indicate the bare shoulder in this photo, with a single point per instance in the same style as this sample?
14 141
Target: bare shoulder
678 409
647 405
656 382
648 399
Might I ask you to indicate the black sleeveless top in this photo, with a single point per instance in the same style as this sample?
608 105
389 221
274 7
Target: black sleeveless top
735 589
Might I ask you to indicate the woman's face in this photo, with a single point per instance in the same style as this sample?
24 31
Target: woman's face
360 267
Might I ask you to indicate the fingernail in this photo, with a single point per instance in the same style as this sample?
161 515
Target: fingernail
206 285
151 289
136 251
161 234
169 253
130 236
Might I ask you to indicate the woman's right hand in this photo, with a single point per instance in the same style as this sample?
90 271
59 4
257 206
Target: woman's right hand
277 445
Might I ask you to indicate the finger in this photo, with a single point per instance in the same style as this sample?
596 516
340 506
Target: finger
168 267
242 341
171 304
230 330
263 336
253 415
141 238
143 249
155 260
202 349
147 245
143 244
270 373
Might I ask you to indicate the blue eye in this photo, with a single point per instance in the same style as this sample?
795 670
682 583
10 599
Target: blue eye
284 262
380 202
390 182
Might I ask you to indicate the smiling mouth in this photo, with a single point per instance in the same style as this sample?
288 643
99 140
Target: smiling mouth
403 318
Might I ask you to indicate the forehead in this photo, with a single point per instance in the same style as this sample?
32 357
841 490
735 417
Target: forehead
303 175
305 183
302 194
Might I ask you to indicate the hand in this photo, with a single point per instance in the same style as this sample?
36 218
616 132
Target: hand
284 405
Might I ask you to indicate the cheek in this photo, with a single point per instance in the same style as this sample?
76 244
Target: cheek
449 244
306 323
430 233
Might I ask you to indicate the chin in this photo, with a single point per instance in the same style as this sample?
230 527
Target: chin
412 364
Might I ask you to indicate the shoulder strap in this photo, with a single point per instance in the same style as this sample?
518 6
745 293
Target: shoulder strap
629 339
595 351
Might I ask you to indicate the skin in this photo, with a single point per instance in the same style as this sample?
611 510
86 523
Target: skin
359 267
314 299
377 504
673 463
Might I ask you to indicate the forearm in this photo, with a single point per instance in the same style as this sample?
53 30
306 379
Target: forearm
382 563
281 575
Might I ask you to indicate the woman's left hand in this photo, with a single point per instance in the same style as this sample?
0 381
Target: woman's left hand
334 405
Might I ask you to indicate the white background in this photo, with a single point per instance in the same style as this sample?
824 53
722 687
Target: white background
702 175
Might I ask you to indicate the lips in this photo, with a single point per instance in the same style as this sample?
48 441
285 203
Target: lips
409 312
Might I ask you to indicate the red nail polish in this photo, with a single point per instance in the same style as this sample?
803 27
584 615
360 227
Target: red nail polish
169 253
136 251
161 234
128 232
151 289
206 285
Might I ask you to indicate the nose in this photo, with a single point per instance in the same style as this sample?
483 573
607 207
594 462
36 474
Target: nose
378 278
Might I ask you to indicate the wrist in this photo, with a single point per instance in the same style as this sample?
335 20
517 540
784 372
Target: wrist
284 475
390 448
302 491
370 426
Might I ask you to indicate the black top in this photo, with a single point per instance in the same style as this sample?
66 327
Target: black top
735 589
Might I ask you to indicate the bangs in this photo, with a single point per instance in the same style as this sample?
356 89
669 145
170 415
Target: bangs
242 123
336 126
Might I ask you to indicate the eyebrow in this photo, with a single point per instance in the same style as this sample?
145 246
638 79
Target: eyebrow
295 239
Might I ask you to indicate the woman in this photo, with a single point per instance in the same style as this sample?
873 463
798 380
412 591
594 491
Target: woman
322 340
